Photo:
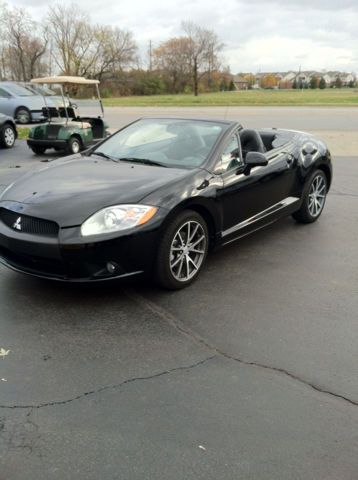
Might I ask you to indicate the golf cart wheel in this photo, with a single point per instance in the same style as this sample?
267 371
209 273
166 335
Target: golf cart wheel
23 115
7 136
74 145
38 150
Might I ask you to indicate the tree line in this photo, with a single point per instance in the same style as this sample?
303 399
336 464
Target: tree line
66 42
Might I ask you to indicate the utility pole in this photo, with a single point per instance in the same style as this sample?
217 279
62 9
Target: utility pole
150 55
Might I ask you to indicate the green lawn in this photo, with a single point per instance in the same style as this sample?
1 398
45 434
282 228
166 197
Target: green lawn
328 97
23 133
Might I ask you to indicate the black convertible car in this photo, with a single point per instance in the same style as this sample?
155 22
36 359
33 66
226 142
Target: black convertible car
156 196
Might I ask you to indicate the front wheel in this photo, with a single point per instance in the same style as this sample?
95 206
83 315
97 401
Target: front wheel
182 251
23 115
313 198
74 145
7 136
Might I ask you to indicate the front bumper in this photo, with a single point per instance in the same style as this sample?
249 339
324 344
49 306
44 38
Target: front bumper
50 258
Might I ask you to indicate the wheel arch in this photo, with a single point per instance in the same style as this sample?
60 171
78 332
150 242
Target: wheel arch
205 211
22 107
326 170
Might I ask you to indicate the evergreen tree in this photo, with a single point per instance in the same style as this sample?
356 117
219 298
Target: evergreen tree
322 83
294 85
313 82
338 83
232 87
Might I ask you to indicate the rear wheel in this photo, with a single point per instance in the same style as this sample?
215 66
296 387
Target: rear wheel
313 198
38 150
23 115
74 145
182 251
7 136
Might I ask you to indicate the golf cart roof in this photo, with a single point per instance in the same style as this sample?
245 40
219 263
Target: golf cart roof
63 80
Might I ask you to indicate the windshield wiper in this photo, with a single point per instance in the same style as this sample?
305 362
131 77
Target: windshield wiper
145 161
104 155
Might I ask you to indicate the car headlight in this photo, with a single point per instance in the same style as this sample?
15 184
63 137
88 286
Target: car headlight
117 218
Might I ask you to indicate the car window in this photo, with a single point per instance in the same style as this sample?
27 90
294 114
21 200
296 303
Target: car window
230 157
3 93
19 90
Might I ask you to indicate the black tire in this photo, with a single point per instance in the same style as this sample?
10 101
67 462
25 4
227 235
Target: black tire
74 145
38 150
23 115
7 136
307 213
169 252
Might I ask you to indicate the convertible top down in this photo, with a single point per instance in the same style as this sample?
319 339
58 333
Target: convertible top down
156 196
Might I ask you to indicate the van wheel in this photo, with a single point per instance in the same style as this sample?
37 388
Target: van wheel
74 145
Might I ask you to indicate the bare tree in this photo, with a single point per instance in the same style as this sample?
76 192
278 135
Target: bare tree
172 60
85 49
203 51
72 38
117 50
22 48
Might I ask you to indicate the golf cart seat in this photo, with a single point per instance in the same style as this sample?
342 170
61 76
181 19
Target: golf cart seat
78 124
70 112
50 112
97 125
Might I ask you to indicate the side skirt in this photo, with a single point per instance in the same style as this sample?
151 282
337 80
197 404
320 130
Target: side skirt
261 219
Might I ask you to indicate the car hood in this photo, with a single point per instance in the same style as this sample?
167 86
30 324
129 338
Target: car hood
68 191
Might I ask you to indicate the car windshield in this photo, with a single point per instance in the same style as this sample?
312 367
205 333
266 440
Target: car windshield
170 142
41 89
19 91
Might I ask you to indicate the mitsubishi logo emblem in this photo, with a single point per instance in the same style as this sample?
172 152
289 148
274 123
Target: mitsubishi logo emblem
17 224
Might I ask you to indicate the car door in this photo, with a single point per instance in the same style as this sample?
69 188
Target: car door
248 196
6 105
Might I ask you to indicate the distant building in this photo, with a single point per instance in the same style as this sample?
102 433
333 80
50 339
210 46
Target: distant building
240 83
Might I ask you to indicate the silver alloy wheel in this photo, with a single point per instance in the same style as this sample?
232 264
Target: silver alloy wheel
75 146
317 195
9 136
187 251
23 117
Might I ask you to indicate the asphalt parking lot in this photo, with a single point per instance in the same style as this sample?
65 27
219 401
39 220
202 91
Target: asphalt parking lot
251 373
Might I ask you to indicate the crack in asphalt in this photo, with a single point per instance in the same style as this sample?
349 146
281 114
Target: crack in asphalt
184 330
180 327
109 387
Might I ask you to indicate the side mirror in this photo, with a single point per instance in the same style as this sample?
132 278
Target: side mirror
256 159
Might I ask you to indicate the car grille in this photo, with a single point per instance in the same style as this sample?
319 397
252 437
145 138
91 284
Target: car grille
27 224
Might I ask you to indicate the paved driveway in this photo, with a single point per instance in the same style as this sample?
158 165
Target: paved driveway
251 373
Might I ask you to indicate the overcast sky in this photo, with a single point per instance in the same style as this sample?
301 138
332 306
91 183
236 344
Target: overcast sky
258 35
